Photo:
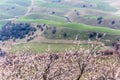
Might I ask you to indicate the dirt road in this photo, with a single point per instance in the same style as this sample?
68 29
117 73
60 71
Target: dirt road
30 8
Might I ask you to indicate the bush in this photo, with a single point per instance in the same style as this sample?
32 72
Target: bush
100 18
92 34
65 35
54 30
100 35
113 22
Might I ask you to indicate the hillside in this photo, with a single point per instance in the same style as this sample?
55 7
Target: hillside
59 21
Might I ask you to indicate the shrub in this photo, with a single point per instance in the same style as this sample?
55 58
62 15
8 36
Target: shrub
113 22
92 34
65 35
100 18
54 30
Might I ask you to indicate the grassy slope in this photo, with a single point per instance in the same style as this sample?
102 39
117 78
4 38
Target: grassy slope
46 17
73 29
77 26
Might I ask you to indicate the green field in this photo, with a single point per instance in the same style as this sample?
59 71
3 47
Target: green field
41 47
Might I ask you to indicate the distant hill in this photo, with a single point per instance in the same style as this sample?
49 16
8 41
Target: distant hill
65 19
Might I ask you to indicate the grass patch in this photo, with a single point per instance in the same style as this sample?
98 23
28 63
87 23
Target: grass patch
47 17
40 47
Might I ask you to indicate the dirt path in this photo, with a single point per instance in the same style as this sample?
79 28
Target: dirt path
30 8
67 18
44 40
10 19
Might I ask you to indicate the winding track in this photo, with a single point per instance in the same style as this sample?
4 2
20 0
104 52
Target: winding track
30 7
